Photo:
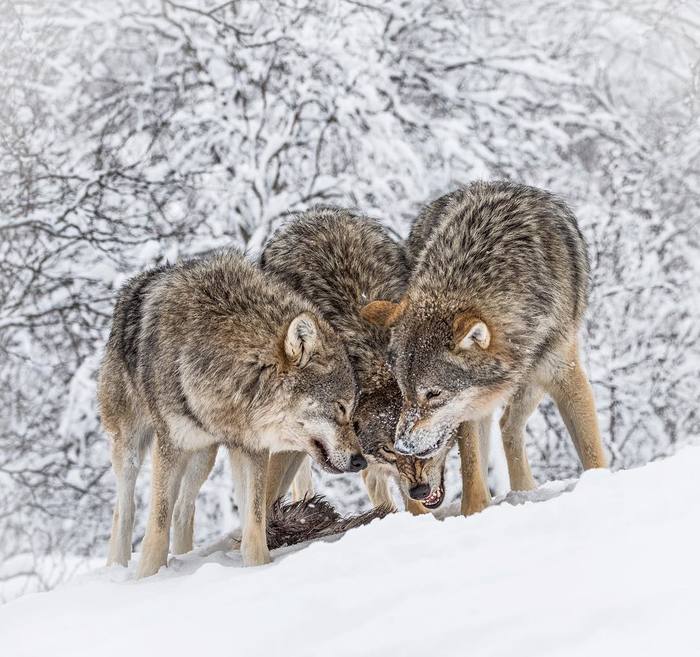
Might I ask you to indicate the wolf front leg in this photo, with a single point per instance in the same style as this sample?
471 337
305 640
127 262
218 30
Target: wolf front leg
414 507
251 475
513 421
573 396
283 468
196 471
473 450
377 485
303 483
168 464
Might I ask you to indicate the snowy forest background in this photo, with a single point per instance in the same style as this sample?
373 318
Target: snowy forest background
136 132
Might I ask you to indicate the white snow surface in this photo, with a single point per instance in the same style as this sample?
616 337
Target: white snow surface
607 565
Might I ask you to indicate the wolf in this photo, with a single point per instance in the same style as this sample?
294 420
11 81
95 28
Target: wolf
212 351
491 317
339 260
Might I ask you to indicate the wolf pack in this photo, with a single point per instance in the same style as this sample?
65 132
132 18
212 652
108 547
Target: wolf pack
344 346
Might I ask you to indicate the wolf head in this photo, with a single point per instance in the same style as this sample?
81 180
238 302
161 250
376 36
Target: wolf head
450 366
321 395
375 419
424 479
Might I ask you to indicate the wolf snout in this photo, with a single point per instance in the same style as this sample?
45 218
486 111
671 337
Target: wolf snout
420 444
357 463
403 447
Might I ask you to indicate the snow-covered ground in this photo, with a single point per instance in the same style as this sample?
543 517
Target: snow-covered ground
608 566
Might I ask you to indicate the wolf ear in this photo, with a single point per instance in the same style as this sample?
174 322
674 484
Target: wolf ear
302 339
383 313
469 331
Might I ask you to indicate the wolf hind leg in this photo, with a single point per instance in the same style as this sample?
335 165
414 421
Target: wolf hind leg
128 448
513 421
236 461
196 471
573 395
168 464
472 439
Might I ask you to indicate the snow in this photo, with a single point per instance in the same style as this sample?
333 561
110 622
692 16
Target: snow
607 565
138 131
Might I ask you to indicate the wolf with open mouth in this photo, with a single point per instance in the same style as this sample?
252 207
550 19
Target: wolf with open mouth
339 260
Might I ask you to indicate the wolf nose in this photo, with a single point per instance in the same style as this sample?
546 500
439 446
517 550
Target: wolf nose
357 463
419 491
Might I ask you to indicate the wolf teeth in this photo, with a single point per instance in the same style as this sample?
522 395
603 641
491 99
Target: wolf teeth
434 496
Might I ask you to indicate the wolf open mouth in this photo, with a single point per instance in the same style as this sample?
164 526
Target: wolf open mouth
434 500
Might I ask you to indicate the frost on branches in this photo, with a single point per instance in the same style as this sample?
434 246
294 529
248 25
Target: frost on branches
133 133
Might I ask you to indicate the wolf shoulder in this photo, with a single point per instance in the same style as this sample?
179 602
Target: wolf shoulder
336 257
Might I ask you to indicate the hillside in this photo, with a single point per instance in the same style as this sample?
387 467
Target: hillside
607 565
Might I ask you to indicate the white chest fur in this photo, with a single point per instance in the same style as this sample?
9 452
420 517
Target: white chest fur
186 435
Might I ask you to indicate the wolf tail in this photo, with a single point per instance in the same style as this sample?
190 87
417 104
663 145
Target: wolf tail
310 519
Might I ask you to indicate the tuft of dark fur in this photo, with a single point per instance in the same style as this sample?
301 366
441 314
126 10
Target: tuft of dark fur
311 519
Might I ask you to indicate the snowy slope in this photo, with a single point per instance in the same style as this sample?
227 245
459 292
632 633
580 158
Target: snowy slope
610 568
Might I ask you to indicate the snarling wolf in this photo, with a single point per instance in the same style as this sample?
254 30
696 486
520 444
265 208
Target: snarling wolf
340 260
210 352
491 316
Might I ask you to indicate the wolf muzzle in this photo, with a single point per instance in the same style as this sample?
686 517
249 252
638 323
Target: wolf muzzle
413 440
422 446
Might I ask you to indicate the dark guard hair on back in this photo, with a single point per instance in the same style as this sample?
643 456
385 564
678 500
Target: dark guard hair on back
523 238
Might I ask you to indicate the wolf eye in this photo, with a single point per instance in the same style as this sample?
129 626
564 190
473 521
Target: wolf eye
432 394
341 412
388 454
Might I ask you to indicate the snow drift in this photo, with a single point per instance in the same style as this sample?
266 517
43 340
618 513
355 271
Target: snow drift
607 565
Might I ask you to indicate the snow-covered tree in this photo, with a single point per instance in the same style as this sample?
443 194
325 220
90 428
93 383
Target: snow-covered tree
133 133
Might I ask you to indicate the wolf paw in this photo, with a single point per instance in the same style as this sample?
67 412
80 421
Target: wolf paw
255 555
150 565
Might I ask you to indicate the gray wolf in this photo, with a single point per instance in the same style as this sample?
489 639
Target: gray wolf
491 317
339 260
214 352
